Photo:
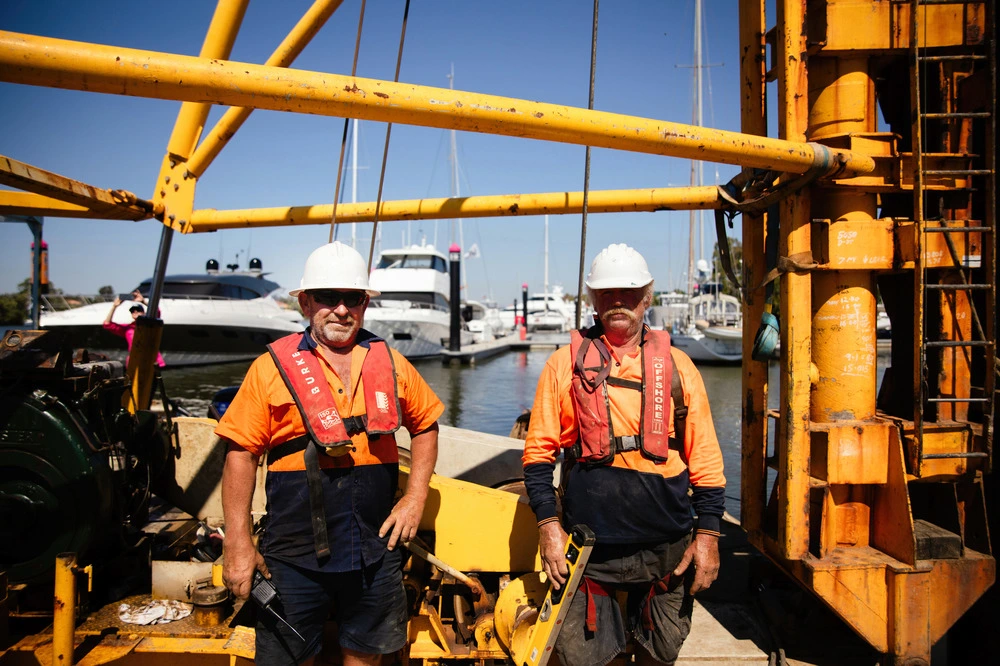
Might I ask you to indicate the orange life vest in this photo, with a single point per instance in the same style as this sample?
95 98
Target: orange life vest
598 442
303 375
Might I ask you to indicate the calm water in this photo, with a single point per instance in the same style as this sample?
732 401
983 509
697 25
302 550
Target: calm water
488 397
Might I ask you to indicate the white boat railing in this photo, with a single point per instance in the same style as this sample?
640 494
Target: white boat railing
62 302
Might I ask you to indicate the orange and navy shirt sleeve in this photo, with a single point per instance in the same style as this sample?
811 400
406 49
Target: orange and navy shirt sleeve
420 408
552 427
701 448
247 421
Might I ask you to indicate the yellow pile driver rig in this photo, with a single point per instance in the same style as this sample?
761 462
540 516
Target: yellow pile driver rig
871 496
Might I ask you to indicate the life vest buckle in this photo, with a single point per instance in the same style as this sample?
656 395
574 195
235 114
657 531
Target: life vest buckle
628 442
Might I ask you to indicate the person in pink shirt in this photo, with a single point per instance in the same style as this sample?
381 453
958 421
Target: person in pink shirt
127 331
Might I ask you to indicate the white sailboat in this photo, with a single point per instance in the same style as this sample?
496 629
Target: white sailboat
548 310
713 331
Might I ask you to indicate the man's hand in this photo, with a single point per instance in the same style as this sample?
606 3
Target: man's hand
552 546
238 565
704 552
402 523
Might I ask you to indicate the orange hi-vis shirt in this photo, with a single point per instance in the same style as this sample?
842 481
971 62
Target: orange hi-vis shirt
359 487
632 499
263 413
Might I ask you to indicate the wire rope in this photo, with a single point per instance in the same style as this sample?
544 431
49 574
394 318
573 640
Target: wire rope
388 133
347 122
586 172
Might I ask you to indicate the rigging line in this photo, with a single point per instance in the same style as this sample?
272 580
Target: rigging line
482 255
388 133
586 173
343 139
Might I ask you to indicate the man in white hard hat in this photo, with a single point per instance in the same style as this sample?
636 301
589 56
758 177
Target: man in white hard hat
323 405
630 416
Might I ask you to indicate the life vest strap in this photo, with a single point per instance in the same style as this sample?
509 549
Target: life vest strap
355 425
624 383
317 509
632 442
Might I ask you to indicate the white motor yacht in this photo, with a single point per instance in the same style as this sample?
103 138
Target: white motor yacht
483 321
412 313
214 317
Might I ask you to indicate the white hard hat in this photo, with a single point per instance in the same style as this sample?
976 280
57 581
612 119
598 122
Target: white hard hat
618 267
335 266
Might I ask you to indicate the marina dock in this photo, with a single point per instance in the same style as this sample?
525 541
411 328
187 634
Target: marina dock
470 354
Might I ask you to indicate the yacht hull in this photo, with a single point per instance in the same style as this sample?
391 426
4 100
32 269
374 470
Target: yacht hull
711 346
412 339
180 345
195 332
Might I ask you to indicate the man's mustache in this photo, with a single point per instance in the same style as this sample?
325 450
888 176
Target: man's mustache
617 311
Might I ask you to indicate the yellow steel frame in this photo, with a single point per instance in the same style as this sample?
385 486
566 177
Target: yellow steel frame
97 68
844 526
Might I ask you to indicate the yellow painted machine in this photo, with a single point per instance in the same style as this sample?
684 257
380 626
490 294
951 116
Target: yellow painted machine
870 496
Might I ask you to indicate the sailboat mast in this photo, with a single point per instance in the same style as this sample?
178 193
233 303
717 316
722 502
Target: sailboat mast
455 188
695 221
699 106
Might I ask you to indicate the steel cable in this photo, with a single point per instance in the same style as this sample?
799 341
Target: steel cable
347 121
388 132
586 173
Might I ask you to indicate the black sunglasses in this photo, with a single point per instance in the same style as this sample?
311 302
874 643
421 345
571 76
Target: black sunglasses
331 298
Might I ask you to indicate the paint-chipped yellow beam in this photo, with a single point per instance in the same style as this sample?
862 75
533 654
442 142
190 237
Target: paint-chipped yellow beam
553 203
283 56
37 205
72 65
105 204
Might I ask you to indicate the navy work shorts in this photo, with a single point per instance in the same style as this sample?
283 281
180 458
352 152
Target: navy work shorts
631 569
369 608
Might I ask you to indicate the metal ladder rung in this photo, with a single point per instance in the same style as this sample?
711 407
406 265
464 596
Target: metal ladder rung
953 400
957 287
940 344
938 456
958 172
955 230
943 58
956 114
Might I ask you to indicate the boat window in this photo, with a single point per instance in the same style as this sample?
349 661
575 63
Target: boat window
414 261
202 290
416 298
390 262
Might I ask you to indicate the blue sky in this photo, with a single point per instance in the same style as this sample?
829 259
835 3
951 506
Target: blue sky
530 49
